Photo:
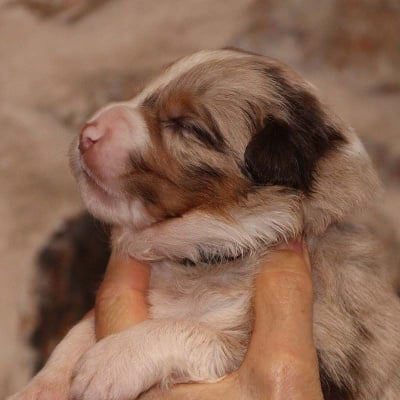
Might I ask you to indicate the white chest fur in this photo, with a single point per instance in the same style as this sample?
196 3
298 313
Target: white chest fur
217 295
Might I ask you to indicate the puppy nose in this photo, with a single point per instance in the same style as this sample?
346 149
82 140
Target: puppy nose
90 134
108 124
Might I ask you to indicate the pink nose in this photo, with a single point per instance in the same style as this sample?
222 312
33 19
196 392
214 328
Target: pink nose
90 134
107 124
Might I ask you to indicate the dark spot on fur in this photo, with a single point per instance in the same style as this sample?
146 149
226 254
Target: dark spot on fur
151 100
331 389
205 171
149 195
202 178
364 333
212 258
138 164
273 157
283 154
286 152
307 118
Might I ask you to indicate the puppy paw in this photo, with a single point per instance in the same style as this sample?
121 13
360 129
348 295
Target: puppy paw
111 370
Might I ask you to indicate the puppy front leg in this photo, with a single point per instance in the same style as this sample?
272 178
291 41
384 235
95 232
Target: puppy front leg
53 381
123 365
179 238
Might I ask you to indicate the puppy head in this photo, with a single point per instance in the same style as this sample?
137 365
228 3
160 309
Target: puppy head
212 130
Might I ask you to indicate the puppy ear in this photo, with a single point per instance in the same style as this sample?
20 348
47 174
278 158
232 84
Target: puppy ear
276 156
286 154
305 147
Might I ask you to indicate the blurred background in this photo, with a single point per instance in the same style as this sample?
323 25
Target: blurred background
62 59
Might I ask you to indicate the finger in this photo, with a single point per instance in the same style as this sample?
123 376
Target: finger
121 300
298 246
284 294
283 304
281 359
123 270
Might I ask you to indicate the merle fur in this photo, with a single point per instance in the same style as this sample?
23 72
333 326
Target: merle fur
285 152
331 390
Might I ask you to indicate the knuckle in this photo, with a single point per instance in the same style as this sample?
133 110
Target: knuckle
286 369
282 371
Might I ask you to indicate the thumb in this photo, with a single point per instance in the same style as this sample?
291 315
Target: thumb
283 304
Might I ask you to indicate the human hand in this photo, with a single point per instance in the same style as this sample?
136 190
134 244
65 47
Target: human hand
281 362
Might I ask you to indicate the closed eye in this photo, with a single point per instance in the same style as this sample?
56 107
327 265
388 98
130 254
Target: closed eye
202 134
180 123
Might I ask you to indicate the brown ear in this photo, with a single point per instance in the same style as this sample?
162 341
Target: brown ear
285 154
303 146
286 149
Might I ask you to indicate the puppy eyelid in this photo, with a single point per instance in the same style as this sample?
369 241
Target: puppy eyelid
178 123
195 130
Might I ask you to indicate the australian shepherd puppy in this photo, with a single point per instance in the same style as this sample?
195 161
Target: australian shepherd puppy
217 160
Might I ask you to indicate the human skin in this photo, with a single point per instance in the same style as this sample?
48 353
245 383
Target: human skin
121 301
281 362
